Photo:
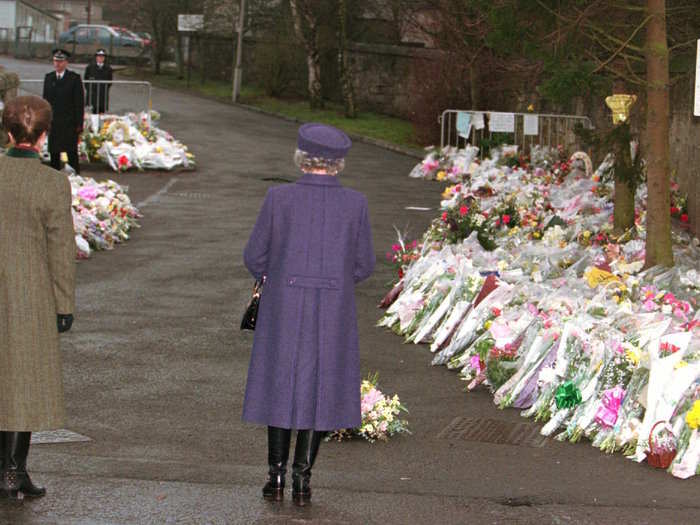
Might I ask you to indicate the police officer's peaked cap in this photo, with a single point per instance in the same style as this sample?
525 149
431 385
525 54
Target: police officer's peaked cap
100 53
60 54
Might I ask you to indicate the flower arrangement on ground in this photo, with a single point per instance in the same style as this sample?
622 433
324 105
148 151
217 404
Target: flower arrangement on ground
380 415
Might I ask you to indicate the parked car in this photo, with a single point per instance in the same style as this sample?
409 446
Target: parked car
83 40
146 38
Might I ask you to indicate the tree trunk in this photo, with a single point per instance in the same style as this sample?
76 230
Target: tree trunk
179 57
474 87
314 64
308 39
623 214
658 242
343 68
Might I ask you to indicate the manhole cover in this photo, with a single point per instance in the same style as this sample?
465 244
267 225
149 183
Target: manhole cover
494 431
276 179
57 436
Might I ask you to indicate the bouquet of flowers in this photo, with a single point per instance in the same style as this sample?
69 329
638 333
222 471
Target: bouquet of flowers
380 415
102 214
403 253
131 141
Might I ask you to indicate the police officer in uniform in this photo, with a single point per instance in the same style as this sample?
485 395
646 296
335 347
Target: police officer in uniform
98 93
63 89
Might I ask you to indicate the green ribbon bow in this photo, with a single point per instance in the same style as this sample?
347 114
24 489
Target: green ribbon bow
568 395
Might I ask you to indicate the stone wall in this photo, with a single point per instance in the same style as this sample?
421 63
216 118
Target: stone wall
685 147
383 75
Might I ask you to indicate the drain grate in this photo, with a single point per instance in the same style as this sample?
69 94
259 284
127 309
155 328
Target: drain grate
494 431
57 436
191 195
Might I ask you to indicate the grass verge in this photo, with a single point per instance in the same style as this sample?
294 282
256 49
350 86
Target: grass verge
372 125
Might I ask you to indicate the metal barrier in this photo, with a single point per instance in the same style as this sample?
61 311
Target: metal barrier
114 96
547 130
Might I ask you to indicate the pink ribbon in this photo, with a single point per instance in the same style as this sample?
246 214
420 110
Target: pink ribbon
607 412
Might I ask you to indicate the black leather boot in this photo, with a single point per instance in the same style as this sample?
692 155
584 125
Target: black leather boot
308 442
277 456
16 480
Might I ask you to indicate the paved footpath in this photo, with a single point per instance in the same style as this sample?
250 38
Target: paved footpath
155 371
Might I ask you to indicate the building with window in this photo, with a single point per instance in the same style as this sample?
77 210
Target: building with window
22 21
73 12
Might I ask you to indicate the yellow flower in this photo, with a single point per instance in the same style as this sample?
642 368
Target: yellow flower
632 356
488 324
692 418
441 175
681 364
448 192
537 235
586 234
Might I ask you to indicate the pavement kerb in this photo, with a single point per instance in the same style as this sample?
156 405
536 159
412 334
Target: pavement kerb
410 152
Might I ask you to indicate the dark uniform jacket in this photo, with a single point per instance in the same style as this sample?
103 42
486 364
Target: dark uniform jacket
98 93
68 104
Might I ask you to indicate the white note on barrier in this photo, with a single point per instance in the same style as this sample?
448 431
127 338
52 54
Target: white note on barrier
502 122
478 120
531 125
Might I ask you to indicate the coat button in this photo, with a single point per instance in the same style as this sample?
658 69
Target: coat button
291 281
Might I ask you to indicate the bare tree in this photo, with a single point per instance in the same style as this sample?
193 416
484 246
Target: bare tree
306 27
658 242
343 66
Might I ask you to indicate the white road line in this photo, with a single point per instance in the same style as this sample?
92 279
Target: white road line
157 195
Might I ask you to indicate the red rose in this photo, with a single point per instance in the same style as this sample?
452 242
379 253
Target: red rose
674 210
495 311
684 217
444 216
506 219
463 210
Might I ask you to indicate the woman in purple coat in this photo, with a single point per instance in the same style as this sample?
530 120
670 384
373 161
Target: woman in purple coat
312 242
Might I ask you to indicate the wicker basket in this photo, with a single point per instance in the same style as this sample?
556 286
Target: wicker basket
659 458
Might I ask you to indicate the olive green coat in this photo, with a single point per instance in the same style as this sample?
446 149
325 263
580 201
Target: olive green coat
37 281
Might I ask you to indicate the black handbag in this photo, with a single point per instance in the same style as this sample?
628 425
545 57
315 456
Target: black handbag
251 313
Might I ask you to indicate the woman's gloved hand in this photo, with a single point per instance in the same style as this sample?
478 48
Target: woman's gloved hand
65 321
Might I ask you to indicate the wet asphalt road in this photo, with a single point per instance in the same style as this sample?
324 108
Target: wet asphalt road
155 371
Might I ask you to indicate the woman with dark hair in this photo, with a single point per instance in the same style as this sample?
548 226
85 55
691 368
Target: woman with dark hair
37 290
312 242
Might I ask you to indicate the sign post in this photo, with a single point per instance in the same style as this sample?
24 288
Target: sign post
697 83
237 72
188 25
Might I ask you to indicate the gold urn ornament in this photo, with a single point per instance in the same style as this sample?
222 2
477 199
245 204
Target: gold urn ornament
620 105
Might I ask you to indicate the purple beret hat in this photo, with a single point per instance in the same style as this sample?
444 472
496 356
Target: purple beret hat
320 140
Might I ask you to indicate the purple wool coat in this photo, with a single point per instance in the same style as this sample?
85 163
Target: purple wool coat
312 241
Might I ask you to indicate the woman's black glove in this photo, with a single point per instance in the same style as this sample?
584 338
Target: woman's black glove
65 321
